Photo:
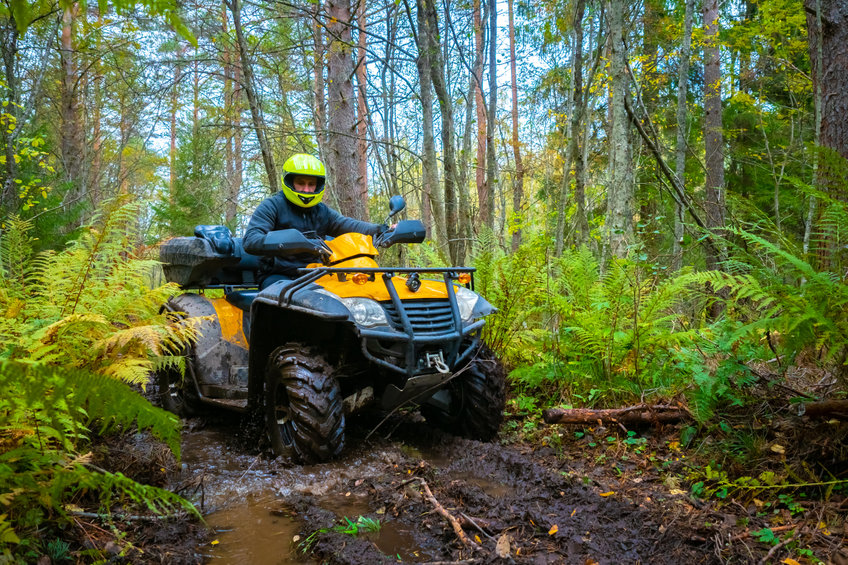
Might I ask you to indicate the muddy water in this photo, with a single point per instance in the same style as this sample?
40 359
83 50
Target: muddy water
243 498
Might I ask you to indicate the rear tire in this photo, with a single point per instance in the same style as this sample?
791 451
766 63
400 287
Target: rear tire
176 393
303 405
477 399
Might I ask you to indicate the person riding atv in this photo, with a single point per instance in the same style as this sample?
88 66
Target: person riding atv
298 206
342 336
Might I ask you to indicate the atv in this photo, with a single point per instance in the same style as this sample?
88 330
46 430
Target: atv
343 336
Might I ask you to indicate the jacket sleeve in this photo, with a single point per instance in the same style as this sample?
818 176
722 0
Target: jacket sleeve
263 221
338 225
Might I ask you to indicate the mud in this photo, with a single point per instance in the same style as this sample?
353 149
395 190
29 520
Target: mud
518 504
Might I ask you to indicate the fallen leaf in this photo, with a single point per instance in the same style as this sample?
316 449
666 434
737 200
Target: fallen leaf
677 491
381 510
777 448
502 547
214 542
823 527
790 561
477 539
573 512
554 529
610 493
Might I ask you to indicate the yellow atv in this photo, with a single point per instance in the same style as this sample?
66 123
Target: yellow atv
343 336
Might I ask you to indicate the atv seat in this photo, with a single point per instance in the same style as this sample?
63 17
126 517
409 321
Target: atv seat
242 298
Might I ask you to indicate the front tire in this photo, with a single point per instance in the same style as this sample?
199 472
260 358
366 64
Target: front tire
477 399
303 405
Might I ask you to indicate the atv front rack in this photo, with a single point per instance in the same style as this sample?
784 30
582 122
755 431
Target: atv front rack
448 342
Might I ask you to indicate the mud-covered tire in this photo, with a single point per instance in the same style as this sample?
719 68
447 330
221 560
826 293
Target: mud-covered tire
303 405
477 399
177 394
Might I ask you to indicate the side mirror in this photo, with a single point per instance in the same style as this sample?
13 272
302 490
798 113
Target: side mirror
396 205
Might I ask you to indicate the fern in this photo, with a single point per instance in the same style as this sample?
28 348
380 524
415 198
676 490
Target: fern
80 327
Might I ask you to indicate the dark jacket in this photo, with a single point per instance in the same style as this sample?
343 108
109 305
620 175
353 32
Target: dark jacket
277 213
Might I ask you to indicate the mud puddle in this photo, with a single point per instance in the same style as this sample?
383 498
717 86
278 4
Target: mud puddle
243 497
515 504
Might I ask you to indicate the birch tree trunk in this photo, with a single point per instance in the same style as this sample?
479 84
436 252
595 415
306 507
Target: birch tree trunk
619 217
680 148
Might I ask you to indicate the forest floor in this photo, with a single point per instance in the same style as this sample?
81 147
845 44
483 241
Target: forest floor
559 494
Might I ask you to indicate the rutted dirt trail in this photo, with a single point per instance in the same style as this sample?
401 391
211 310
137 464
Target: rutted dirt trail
521 505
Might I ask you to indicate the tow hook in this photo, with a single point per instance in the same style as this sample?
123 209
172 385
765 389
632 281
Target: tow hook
437 361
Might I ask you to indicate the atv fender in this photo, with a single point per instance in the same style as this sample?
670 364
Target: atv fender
219 358
276 319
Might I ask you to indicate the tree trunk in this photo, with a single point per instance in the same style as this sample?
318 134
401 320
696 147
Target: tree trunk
430 200
253 99
572 152
827 30
10 112
649 192
342 156
619 220
680 148
437 66
362 112
830 74
465 221
491 161
172 154
713 137
94 171
518 182
477 73
318 109
72 132
231 112
640 414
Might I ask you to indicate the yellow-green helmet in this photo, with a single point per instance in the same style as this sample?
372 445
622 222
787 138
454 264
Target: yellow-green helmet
303 164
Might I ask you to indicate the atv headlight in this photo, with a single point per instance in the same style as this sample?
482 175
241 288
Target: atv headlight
366 312
466 300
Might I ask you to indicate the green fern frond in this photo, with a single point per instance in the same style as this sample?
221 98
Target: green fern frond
83 397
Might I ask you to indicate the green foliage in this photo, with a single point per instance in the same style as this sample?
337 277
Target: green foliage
197 192
89 307
78 328
349 527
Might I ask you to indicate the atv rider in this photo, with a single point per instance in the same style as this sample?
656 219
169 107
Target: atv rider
298 206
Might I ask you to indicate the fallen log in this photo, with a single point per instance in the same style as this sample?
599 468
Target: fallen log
825 409
639 414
